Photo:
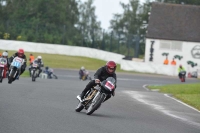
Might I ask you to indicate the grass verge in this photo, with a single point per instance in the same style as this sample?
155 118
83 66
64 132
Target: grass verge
69 62
188 93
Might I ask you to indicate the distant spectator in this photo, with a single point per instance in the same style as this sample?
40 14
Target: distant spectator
173 62
166 61
31 58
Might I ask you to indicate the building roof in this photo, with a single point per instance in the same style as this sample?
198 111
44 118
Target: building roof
174 22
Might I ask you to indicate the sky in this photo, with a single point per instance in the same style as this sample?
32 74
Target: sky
106 8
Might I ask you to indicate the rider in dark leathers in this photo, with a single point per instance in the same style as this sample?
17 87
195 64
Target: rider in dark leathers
101 74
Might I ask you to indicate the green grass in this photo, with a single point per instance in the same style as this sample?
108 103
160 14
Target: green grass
25 74
69 62
188 93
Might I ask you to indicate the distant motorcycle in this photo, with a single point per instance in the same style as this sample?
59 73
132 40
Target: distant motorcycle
15 69
3 68
50 73
34 70
182 78
86 75
96 96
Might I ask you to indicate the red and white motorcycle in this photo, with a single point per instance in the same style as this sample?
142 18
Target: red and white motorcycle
96 96
3 68
182 76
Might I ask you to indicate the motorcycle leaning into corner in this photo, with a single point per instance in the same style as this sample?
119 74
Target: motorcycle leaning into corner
96 96
182 75
3 68
15 69
50 73
35 68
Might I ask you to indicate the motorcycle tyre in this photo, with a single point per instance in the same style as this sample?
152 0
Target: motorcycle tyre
183 79
95 106
10 78
79 107
1 75
33 75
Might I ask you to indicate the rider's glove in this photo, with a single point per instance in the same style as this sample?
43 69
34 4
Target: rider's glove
97 81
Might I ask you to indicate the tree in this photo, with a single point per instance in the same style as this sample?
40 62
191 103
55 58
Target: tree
88 25
129 24
42 20
189 2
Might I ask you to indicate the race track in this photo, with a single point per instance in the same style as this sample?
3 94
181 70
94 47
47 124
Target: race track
48 106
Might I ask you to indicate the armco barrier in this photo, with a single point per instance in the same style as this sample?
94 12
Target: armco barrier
148 67
94 53
60 49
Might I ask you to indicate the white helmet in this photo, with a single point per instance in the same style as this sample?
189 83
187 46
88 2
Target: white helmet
5 54
39 57
82 68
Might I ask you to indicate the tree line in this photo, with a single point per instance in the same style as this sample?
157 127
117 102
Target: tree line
72 22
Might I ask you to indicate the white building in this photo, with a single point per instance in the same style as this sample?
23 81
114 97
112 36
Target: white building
174 29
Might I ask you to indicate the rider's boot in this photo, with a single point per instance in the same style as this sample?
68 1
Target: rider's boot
80 97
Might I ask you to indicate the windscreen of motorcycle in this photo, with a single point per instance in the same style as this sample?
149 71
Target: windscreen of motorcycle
35 64
3 62
17 62
109 83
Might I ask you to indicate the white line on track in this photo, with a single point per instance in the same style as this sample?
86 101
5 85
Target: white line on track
145 87
182 103
144 99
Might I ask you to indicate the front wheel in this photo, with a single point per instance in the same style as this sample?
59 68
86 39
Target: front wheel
79 107
1 75
11 77
96 103
33 75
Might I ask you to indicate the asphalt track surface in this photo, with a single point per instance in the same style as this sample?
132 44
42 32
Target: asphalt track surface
48 106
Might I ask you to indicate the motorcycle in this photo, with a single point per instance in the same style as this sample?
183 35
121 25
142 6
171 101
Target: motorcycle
96 96
34 70
3 68
182 77
15 69
50 73
86 76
